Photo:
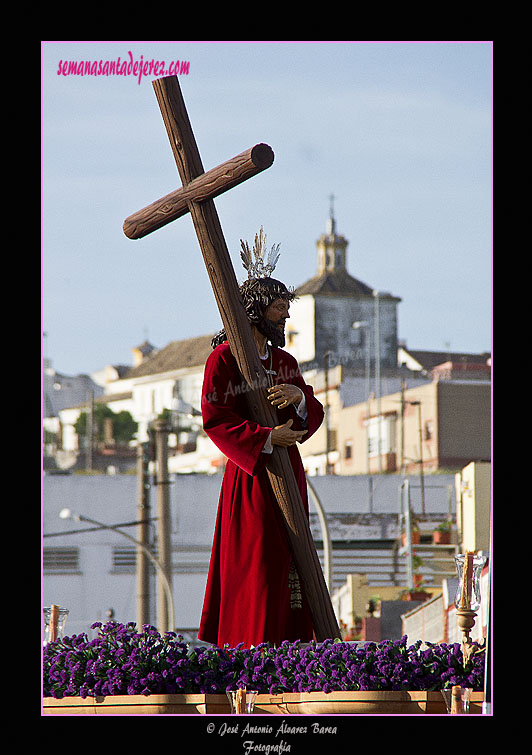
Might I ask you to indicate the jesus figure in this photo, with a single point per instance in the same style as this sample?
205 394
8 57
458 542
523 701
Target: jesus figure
253 592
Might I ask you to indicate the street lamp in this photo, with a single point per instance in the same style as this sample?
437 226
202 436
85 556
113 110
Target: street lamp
182 407
359 325
326 358
68 514
325 534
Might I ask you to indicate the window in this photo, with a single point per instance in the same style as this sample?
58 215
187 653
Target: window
61 561
125 558
381 430
348 451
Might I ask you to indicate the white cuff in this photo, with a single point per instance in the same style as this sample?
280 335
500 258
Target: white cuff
268 448
301 409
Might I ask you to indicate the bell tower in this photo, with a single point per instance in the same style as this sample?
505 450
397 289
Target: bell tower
327 305
331 247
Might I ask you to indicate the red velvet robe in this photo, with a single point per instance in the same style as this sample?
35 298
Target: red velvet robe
247 598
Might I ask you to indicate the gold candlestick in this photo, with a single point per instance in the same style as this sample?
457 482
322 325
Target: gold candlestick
467 598
466 622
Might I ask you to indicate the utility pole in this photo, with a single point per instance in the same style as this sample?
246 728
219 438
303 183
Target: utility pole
327 411
420 430
421 477
143 508
378 377
359 324
161 429
403 388
90 431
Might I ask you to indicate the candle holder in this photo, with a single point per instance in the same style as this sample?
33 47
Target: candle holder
467 599
54 623
242 700
457 699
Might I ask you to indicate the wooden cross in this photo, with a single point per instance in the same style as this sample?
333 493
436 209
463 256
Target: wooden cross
196 197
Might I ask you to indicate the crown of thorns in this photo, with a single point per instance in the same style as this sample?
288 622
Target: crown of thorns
254 261
259 290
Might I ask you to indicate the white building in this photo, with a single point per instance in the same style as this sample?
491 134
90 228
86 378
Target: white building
165 379
340 315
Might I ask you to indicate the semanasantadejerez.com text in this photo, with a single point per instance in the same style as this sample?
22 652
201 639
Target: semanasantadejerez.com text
126 67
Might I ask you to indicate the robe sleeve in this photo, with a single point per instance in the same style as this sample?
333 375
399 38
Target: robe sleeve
223 409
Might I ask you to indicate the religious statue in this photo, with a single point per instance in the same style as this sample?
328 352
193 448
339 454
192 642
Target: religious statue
253 591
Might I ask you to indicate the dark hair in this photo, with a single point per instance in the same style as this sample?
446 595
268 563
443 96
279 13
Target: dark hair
257 295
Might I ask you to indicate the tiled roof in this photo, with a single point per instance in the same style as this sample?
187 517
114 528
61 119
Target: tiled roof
192 352
338 282
105 398
108 398
430 359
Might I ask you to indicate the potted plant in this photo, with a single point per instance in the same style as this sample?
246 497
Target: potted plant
442 534
125 671
416 593
414 533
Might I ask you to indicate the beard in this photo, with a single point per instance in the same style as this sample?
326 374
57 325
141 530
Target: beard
272 332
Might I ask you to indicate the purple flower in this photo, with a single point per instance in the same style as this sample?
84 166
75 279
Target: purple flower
123 661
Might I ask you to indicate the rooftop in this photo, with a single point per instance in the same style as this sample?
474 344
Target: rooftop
190 352
337 282
428 360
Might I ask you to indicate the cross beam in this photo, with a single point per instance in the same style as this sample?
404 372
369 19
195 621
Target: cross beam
223 280
205 186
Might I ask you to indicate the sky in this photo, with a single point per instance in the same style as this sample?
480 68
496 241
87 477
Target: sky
399 132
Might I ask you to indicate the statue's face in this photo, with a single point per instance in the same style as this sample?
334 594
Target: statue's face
272 324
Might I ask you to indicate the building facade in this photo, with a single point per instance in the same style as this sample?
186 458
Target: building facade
439 425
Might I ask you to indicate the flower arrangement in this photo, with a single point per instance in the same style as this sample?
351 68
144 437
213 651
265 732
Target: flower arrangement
123 661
